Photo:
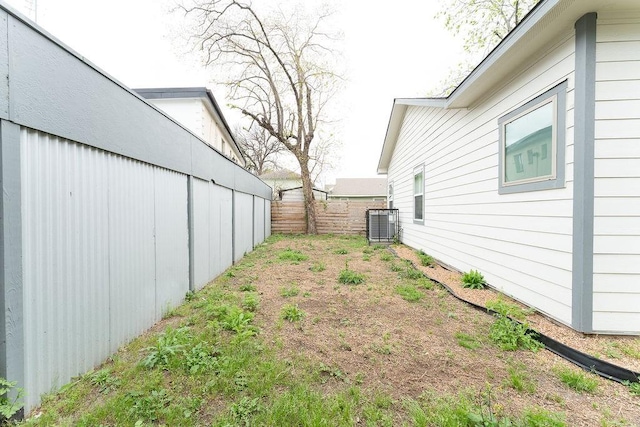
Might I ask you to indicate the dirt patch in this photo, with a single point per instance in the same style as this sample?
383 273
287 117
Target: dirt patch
369 335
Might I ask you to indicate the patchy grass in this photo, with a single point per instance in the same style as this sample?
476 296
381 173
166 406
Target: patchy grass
577 380
355 355
292 255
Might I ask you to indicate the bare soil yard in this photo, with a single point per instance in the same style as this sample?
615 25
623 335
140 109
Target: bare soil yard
328 331
370 333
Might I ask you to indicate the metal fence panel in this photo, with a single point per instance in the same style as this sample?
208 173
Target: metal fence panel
258 220
65 259
131 248
243 224
201 232
171 239
222 230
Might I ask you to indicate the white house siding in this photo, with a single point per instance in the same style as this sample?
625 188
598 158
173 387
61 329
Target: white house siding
521 242
188 112
99 254
243 224
616 260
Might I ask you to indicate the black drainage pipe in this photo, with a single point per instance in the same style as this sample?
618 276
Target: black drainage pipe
588 363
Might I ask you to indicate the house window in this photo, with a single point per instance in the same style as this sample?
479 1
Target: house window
390 195
536 129
418 195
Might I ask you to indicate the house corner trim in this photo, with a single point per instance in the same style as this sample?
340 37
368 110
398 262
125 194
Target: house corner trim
583 184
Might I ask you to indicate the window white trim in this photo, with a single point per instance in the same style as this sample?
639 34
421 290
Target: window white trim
555 96
390 195
418 195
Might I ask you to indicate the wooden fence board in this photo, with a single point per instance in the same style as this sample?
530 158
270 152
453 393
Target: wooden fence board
333 216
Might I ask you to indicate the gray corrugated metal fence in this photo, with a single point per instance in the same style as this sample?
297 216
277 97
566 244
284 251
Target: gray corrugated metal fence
110 212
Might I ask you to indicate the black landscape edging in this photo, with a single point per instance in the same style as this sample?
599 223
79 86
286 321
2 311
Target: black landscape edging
588 363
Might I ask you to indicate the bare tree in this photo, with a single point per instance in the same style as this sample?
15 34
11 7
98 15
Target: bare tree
483 24
281 71
260 149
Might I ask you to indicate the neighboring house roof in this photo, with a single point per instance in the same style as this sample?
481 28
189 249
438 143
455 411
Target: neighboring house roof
359 187
539 28
194 92
281 174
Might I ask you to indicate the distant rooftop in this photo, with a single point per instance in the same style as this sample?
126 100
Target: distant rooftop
360 187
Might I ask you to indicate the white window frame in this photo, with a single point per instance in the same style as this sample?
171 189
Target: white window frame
557 96
390 195
419 170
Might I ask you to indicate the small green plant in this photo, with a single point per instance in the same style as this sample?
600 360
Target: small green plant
104 380
473 280
317 267
350 277
148 407
519 379
467 341
250 302
366 257
200 359
189 296
395 268
386 256
289 291
341 251
577 380
168 345
423 283
411 273
408 292
426 260
239 321
508 309
9 407
248 287
510 335
292 255
634 387
368 250
539 417
292 313
243 410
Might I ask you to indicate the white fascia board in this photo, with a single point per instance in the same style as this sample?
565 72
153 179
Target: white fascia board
395 123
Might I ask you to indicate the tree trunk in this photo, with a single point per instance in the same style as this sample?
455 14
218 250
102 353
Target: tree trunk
309 199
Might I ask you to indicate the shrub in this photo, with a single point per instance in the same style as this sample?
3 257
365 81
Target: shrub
473 280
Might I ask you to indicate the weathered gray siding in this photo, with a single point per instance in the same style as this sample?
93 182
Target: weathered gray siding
521 242
616 259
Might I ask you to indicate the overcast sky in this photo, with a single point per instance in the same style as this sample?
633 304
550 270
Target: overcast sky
398 52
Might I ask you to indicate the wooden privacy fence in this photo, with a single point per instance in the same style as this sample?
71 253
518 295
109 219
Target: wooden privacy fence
333 216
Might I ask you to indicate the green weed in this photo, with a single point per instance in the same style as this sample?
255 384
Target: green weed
577 380
248 287
200 358
350 277
250 302
540 417
341 251
519 379
104 380
473 280
386 256
292 255
510 335
290 291
409 292
167 348
411 273
292 313
634 387
148 407
467 341
508 309
317 267
9 407
395 267
425 260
